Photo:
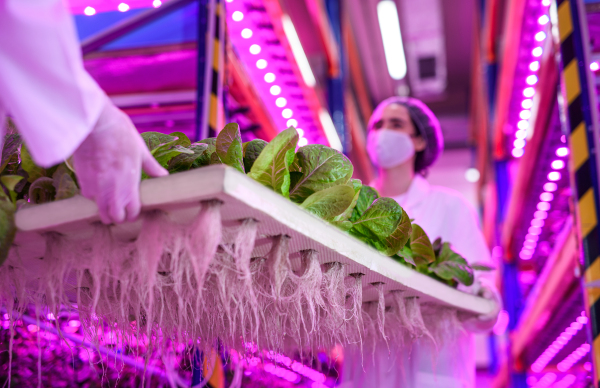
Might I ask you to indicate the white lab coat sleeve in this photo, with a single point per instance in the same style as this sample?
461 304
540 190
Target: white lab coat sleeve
54 102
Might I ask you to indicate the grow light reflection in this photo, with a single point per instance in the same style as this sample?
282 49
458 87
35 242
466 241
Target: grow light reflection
261 64
517 152
330 132
269 78
529 92
562 151
255 49
537 52
281 102
287 113
534 66
519 143
275 90
545 206
527 103
246 33
521 134
237 16
298 51
554 176
540 36
123 7
523 124
531 80
558 164
156 3
546 197
564 338
89 11
543 20
594 66
525 114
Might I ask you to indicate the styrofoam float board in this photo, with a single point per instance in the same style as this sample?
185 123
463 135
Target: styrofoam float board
179 194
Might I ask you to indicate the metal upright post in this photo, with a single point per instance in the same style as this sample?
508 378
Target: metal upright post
201 70
579 124
335 82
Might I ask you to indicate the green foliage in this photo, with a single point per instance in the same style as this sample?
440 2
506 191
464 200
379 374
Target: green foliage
321 167
272 167
251 151
329 202
316 177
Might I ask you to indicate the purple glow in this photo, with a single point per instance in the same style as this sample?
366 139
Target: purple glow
530 237
543 20
558 164
537 52
555 347
33 328
572 358
531 80
546 197
537 222
255 49
563 139
521 134
275 90
534 66
525 114
582 319
566 382
501 323
281 102
524 256
519 143
529 244
246 33
594 66
540 215
528 92
237 16
523 125
562 151
517 152
261 64
554 176
535 230
540 36
550 186
545 206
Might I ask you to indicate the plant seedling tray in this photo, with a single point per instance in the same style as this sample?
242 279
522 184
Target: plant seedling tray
179 195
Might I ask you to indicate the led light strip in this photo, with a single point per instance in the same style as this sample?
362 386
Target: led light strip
531 80
572 358
559 343
123 7
537 223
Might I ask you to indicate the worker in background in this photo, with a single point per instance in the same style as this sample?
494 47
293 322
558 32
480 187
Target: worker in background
405 139
61 111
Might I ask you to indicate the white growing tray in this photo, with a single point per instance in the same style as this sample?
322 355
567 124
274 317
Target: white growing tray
179 195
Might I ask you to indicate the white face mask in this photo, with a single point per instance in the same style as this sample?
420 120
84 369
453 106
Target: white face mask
388 148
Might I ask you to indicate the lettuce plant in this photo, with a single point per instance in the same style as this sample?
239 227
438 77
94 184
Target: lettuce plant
316 177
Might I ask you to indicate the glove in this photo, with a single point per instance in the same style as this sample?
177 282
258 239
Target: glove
108 166
483 323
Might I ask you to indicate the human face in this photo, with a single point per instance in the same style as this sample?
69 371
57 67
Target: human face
397 118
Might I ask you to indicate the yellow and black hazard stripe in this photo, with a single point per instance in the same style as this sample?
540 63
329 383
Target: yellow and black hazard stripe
583 162
217 73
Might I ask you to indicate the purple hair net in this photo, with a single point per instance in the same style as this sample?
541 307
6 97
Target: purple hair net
425 122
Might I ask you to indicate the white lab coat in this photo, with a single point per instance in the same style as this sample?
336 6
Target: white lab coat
54 102
444 213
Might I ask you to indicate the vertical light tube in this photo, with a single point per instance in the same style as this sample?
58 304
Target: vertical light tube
389 24
298 51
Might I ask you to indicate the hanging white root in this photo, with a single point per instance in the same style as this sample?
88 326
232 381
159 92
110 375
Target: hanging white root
354 308
381 311
278 263
413 312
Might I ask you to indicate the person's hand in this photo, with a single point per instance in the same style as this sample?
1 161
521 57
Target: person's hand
108 166
485 322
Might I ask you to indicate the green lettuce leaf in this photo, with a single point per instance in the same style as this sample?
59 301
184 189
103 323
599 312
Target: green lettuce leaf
322 167
380 220
252 150
450 265
33 170
8 229
156 140
42 190
182 140
183 162
482 267
399 237
345 216
10 182
330 202
421 246
63 183
10 149
164 155
366 197
229 147
271 168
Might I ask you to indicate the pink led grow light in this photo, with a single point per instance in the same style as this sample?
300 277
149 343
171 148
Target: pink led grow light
560 343
545 381
572 358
